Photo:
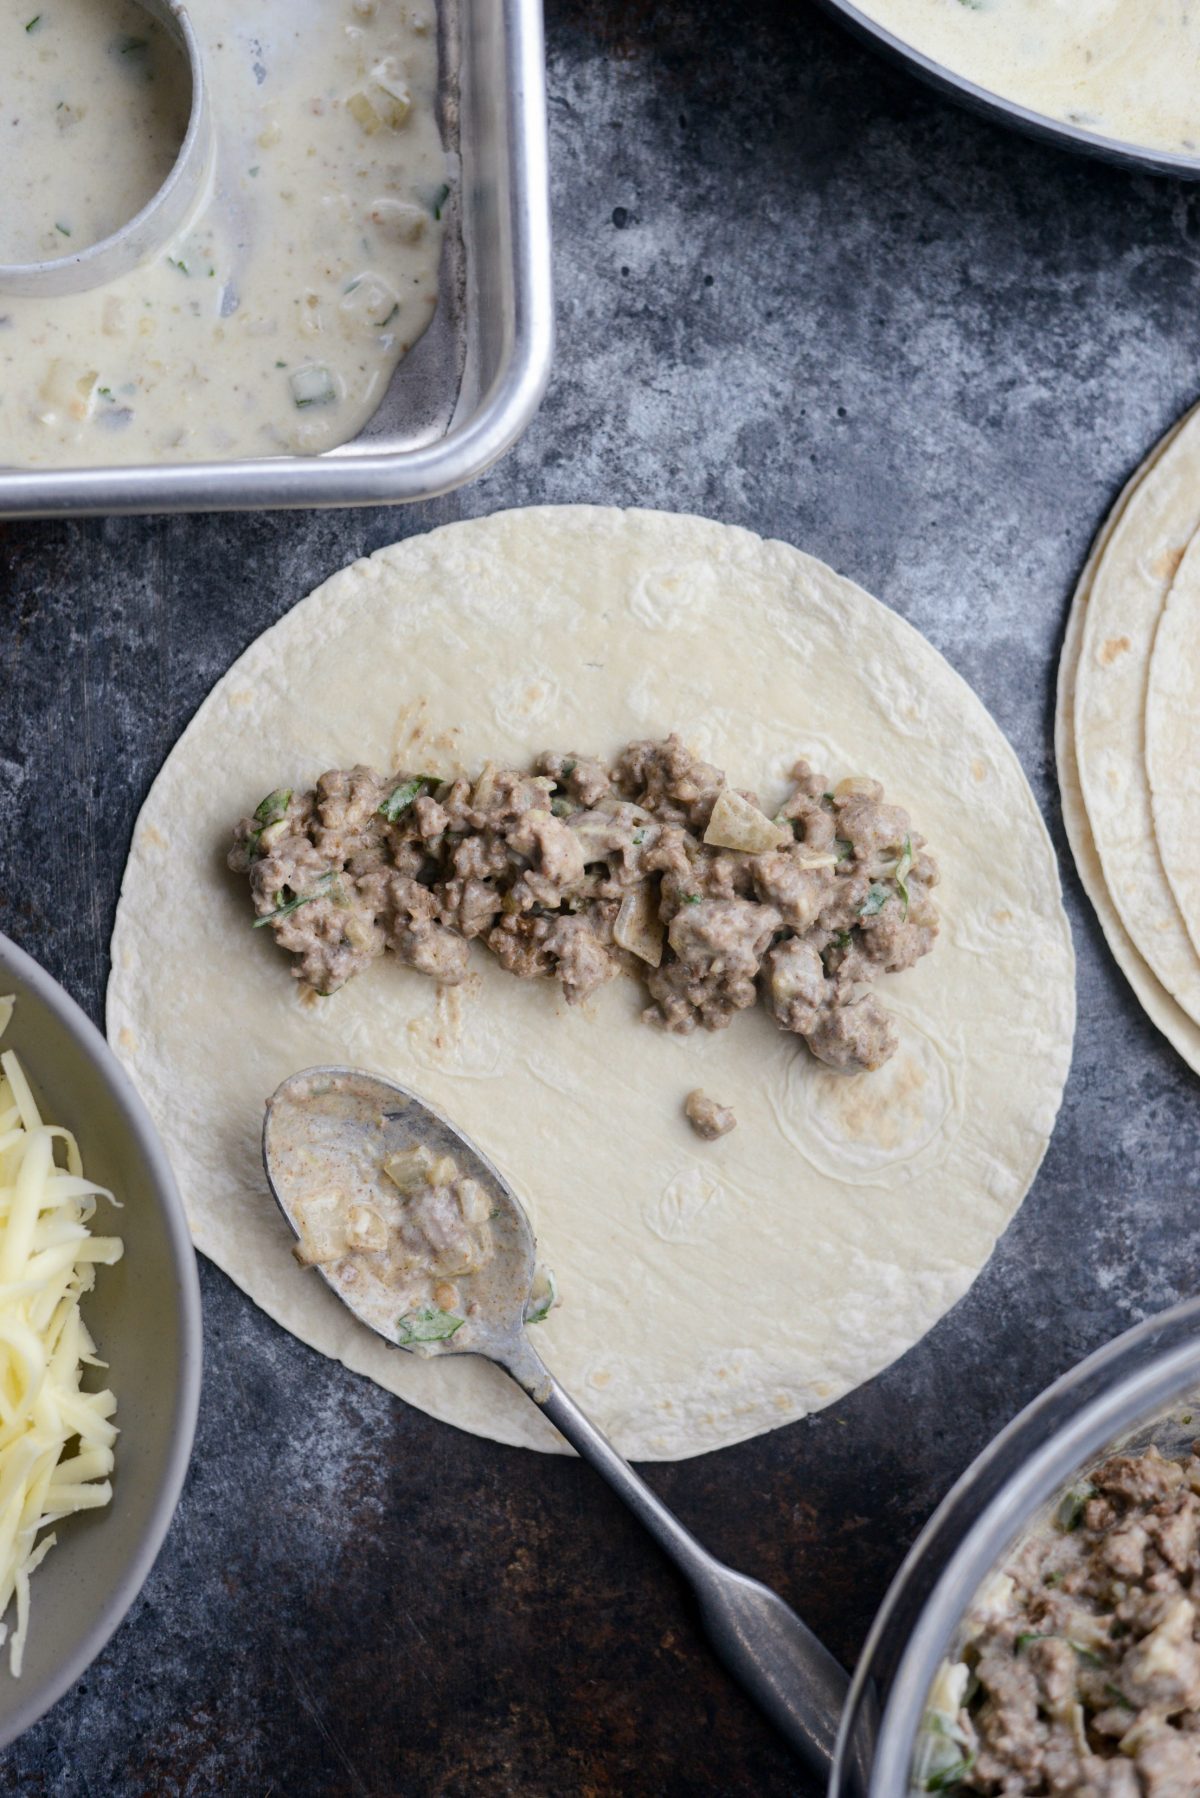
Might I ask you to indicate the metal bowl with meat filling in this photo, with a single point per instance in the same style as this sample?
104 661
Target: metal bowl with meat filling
1043 1635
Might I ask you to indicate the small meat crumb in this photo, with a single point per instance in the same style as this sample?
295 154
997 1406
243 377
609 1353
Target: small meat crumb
707 1118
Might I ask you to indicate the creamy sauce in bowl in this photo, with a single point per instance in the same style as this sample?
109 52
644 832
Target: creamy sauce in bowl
94 102
1124 69
272 323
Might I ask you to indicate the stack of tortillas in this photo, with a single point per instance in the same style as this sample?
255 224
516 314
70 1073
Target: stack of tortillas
1128 734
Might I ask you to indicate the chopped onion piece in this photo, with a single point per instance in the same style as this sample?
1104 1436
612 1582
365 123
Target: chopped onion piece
365 1229
736 824
816 861
313 385
639 928
409 1169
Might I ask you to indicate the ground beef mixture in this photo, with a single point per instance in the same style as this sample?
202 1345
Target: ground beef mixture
581 869
708 1119
1082 1676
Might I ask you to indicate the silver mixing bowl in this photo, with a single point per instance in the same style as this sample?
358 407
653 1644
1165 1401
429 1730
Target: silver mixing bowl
1142 1388
1009 112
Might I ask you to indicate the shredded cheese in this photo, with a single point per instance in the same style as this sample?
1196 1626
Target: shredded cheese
48 1259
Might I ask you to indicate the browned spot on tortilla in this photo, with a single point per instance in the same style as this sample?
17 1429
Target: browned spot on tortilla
440 1030
860 1114
1002 916
1166 562
1113 647
153 836
410 727
978 768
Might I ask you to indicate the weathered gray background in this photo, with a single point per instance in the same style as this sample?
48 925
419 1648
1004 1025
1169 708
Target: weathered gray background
796 292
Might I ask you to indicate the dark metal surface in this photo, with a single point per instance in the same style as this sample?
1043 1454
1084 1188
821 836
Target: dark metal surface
799 292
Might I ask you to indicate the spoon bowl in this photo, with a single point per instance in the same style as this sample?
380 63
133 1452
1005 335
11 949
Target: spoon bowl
328 1132
327 1136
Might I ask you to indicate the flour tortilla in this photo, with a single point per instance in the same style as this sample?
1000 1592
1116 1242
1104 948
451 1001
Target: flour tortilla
1129 589
1162 1010
710 1291
1173 738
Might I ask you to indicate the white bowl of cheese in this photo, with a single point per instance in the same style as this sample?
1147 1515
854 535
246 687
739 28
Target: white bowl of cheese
143 1316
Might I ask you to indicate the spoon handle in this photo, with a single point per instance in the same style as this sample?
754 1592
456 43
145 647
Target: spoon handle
760 1639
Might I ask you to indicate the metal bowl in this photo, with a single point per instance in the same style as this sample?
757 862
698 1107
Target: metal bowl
1010 112
1144 1387
145 1315
467 389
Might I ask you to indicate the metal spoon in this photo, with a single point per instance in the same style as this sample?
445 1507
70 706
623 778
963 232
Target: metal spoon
327 1131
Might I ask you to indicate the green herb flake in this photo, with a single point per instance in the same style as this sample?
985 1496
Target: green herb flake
105 393
281 365
638 838
255 169
130 46
842 940
437 199
950 1776
427 1325
537 1311
875 900
34 22
1069 1514
403 796
691 898
274 807
295 902
271 810
180 264
844 848
1118 1697
391 315
65 229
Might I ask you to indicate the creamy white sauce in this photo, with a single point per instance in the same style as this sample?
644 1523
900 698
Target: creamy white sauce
273 321
94 100
421 1244
1128 69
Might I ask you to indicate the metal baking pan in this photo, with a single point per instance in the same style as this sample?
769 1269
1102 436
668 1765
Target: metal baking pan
468 388
1008 112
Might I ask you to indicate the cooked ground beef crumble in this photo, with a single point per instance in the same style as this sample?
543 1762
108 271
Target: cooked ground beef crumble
708 1118
652 865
